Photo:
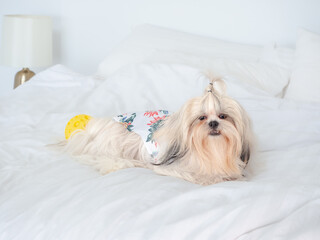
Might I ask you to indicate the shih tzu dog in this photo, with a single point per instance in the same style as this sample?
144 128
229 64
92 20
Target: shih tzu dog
207 141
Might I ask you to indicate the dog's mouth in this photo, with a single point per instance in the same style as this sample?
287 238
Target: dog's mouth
214 132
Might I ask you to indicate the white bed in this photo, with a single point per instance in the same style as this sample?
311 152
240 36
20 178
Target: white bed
48 195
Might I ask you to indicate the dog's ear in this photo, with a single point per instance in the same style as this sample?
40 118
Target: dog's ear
245 154
247 138
173 153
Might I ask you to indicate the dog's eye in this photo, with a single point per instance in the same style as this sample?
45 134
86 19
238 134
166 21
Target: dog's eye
222 116
202 118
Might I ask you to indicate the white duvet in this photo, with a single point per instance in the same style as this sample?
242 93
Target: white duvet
48 195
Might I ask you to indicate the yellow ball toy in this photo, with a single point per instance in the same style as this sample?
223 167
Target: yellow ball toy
76 124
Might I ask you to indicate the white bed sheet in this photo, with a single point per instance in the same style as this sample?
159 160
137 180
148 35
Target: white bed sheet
47 195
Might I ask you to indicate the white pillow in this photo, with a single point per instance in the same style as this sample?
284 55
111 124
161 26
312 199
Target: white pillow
266 68
279 56
146 39
305 79
139 87
267 77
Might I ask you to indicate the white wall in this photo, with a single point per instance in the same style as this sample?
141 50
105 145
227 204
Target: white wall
86 30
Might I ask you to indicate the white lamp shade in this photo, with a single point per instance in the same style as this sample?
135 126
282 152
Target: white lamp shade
26 41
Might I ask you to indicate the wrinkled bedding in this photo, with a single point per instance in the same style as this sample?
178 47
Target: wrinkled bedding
45 194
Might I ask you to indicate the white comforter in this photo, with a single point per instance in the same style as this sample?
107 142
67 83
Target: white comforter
48 195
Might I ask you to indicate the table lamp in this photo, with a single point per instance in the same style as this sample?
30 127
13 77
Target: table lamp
26 42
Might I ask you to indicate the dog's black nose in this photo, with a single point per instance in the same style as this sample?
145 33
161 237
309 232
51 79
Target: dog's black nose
213 124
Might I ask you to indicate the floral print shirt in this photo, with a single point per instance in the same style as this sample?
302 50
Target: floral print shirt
144 124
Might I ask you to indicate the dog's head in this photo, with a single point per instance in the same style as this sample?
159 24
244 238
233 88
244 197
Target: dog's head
211 134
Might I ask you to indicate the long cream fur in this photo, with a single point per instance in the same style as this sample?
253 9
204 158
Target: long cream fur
189 148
